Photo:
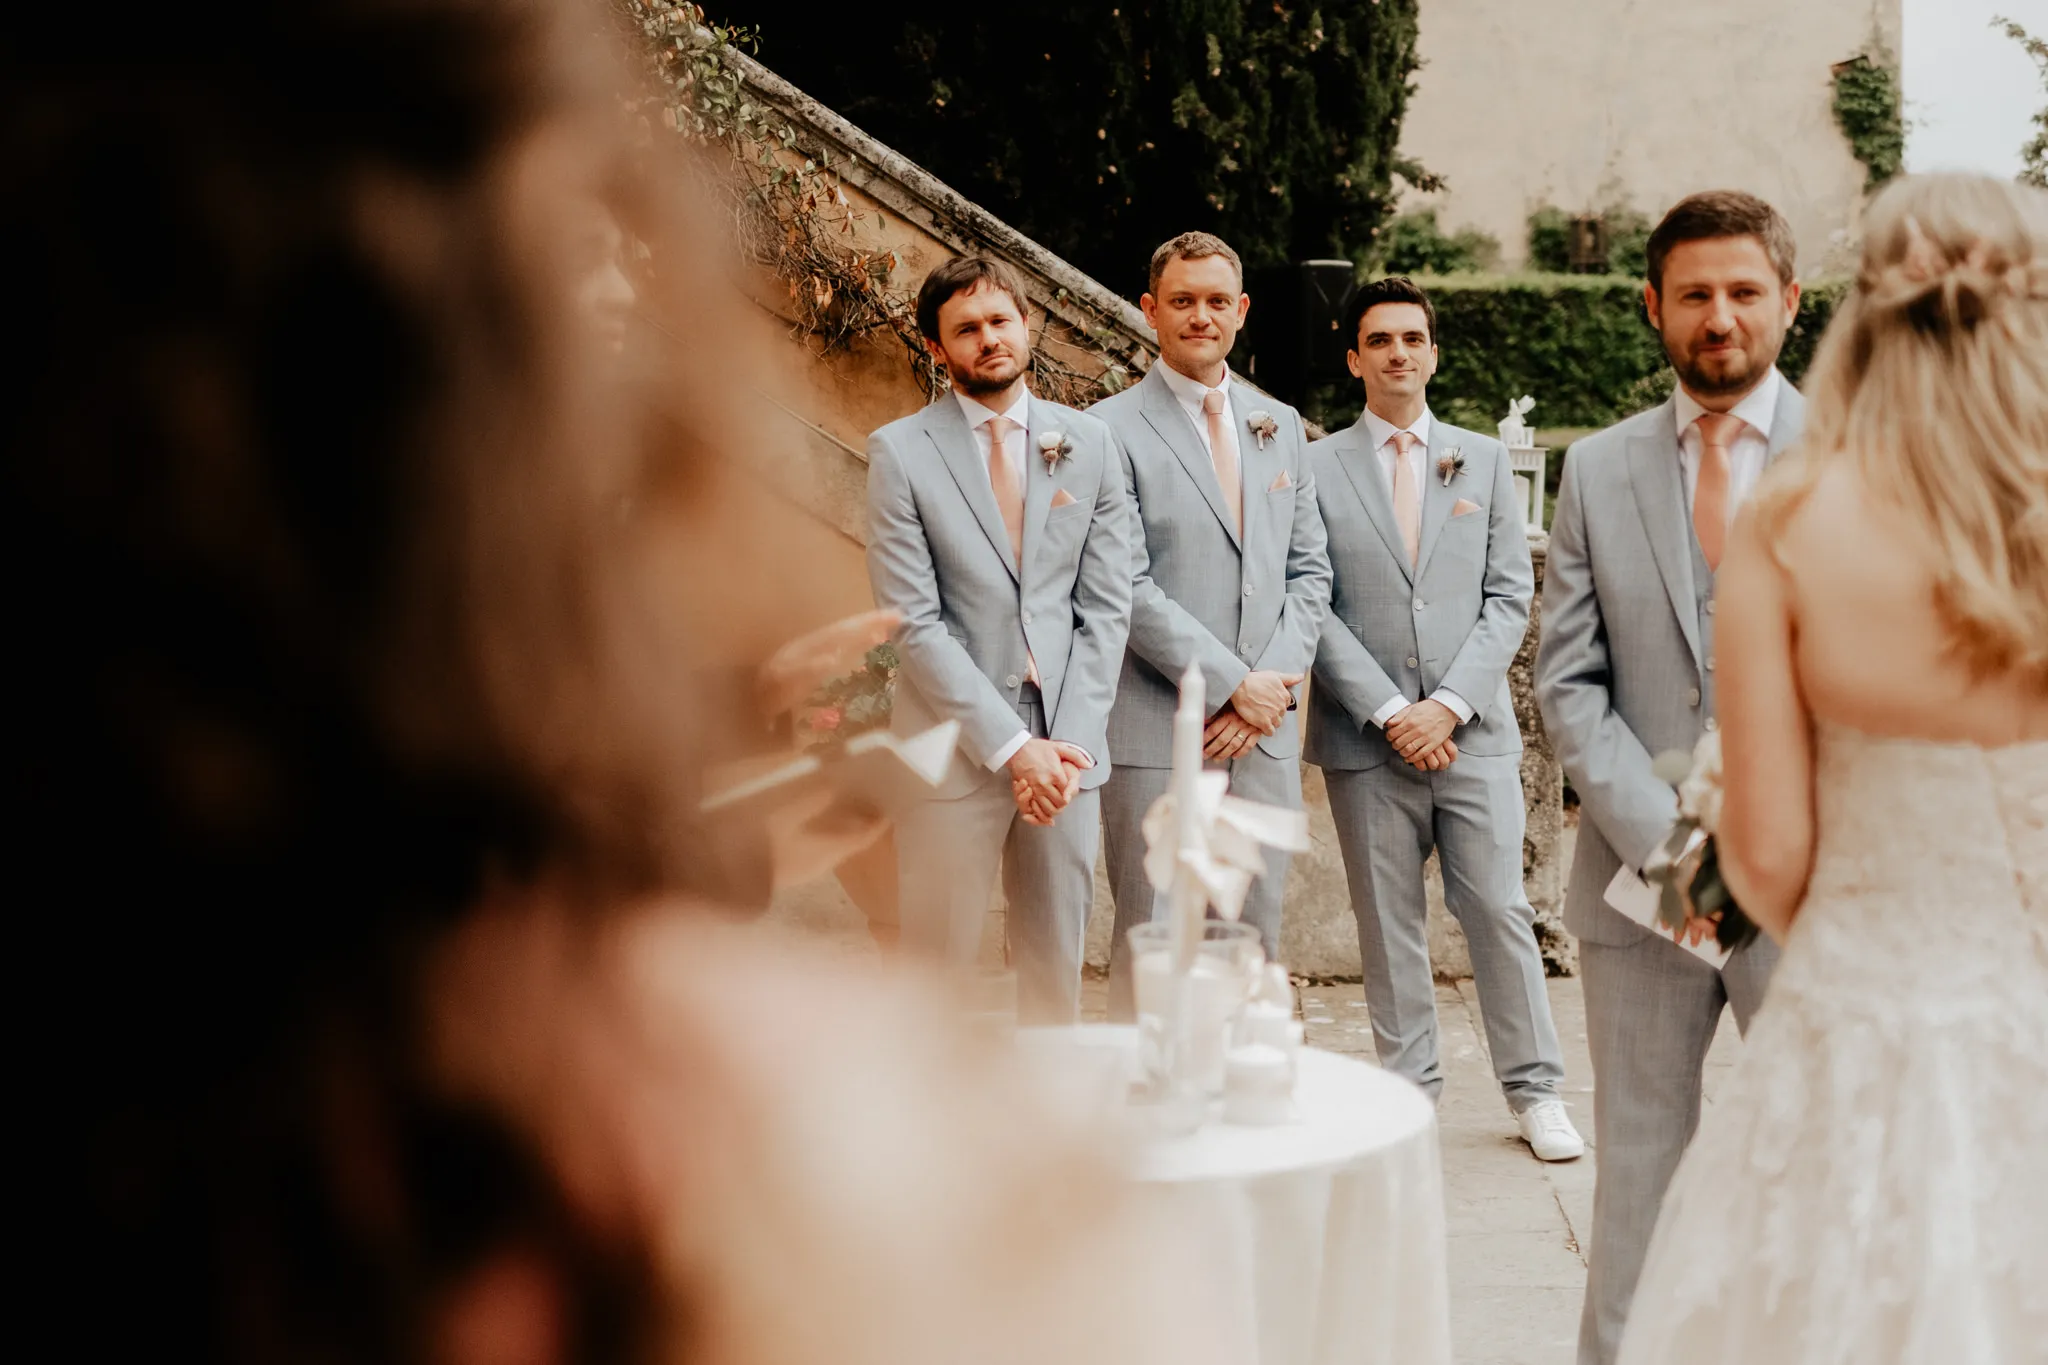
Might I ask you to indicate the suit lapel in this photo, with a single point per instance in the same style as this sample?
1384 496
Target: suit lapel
947 425
1437 497
1788 420
1361 464
1256 468
1171 421
1654 474
1039 479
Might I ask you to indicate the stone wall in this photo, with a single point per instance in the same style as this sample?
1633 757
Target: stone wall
1592 104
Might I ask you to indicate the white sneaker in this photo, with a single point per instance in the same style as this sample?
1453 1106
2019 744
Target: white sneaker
1549 1133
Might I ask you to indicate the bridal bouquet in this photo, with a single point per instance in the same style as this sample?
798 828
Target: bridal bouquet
851 704
1685 867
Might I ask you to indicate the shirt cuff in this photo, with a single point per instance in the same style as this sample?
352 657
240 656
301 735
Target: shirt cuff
1008 751
1390 710
1455 702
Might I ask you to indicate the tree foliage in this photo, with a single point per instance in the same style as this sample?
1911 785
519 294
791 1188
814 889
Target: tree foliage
2033 156
1101 129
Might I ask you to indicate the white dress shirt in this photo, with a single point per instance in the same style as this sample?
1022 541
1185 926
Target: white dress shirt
1383 432
1747 453
978 417
1190 393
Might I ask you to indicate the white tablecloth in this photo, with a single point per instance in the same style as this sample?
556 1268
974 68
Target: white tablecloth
1332 1227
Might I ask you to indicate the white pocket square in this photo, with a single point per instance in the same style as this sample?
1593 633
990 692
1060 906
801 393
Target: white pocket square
1462 506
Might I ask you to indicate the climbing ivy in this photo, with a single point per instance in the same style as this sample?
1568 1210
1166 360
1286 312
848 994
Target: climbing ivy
1867 110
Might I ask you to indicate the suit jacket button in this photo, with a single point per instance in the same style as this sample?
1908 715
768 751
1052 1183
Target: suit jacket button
1418 605
1014 681
1692 696
1245 649
1411 661
1027 618
1247 590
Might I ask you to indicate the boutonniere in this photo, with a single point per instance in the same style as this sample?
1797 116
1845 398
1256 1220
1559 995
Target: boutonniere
1451 465
1053 446
1263 426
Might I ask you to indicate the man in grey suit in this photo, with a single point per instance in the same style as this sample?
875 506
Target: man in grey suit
1625 672
1413 726
1230 575
999 527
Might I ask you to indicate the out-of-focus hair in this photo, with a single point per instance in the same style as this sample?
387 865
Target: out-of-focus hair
324 623
1723 213
1932 384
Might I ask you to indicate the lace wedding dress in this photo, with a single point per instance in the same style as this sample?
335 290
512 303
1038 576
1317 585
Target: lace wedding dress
1871 1184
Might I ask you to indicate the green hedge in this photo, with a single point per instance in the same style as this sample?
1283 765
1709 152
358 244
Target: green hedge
1580 343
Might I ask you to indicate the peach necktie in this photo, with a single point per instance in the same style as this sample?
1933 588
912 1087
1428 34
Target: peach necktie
1010 501
1407 499
1223 454
1710 489
1009 494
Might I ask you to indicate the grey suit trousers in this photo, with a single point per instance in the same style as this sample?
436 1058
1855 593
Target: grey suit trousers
1651 1012
1388 819
1127 795
947 854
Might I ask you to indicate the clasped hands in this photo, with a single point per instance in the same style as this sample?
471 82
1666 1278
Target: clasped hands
1256 708
1421 736
1045 774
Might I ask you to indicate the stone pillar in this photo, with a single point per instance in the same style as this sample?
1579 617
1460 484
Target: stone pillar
1543 860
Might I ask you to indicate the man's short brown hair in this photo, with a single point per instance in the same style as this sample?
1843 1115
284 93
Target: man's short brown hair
1191 246
1723 213
963 275
1392 289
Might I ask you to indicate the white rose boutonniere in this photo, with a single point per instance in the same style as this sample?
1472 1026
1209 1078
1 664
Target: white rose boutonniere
1053 446
1263 427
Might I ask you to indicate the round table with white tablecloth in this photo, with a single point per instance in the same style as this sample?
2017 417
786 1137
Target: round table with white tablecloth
1332 1226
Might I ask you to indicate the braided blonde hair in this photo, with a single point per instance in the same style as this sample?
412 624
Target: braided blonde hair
1932 383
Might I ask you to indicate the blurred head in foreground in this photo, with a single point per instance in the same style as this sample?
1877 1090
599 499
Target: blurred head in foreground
1932 384
349 754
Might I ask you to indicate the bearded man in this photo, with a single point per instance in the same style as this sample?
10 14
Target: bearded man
1625 671
999 528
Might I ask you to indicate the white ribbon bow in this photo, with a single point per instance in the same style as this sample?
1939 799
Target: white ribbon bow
1226 855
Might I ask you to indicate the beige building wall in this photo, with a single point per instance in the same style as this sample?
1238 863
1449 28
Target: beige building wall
1592 104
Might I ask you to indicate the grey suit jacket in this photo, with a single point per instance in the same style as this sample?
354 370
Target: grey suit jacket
1453 620
1620 667
1201 592
972 616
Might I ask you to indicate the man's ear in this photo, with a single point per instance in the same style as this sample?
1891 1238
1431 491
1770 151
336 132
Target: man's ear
1650 305
1357 369
1792 295
1244 306
1149 306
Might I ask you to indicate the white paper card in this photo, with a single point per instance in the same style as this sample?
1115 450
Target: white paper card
1637 899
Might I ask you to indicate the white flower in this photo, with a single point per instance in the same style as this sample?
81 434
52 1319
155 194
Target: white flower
1053 446
1699 795
1262 426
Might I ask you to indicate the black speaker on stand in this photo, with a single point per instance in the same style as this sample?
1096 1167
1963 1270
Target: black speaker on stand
1293 338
